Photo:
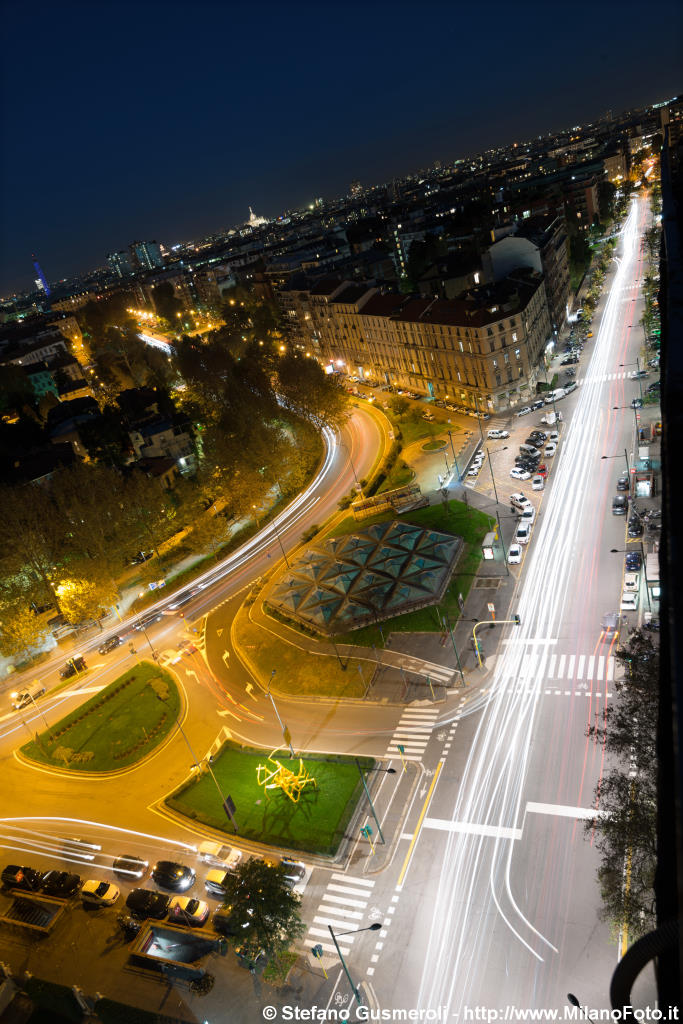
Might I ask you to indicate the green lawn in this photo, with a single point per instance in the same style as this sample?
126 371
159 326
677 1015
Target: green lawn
414 428
433 446
400 475
115 728
315 824
298 672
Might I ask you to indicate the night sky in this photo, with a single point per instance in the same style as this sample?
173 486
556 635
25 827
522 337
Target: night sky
167 120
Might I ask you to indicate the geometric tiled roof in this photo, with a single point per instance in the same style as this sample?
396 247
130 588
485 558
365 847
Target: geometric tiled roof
348 582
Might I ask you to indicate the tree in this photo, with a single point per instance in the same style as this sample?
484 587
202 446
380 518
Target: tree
264 909
311 392
89 498
399 405
20 630
83 598
31 537
626 831
166 303
606 194
16 391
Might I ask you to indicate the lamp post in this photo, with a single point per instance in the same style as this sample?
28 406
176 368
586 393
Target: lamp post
628 468
370 928
455 650
476 406
625 551
637 365
353 468
455 461
634 410
390 771
493 480
284 553
15 695
144 630
285 730
502 544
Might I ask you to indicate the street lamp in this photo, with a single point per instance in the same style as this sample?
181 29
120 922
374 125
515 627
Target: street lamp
284 553
144 630
634 410
476 406
625 551
455 461
637 365
370 928
389 771
285 730
493 480
355 475
15 695
628 468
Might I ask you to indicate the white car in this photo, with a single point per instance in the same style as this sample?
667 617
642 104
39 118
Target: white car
514 554
523 533
524 411
497 435
537 483
629 601
104 894
474 470
188 910
552 435
632 582
528 515
219 856
638 374
519 474
519 501
550 449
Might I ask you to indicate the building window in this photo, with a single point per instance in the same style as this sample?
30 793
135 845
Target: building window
514 335
461 346
518 353
495 364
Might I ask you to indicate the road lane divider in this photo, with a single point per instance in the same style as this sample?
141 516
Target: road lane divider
418 827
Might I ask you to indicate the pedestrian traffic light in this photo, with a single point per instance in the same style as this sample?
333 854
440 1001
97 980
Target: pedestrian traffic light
517 620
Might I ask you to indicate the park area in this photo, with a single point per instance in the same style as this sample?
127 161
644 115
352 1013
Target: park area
316 823
117 727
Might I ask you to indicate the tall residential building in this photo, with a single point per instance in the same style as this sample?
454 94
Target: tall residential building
121 263
146 255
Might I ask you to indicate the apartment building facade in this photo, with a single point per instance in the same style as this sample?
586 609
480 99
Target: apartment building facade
483 351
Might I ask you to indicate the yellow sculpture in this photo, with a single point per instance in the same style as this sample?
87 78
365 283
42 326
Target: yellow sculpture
278 777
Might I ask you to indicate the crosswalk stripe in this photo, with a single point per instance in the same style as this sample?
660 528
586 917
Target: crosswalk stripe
579 668
560 669
589 669
335 922
420 714
570 666
413 750
347 889
329 898
413 730
601 665
355 879
355 915
610 669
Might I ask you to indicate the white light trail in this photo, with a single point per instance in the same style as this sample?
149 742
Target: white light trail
475 875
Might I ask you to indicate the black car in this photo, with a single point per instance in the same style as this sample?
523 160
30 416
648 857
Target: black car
169 874
619 505
147 620
533 439
636 403
15 877
109 645
634 560
61 883
128 866
635 528
73 667
623 483
148 903
654 387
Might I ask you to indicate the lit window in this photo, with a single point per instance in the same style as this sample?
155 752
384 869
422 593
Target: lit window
514 335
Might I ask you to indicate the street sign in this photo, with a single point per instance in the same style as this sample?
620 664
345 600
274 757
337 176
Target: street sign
401 748
317 952
229 808
491 607
461 603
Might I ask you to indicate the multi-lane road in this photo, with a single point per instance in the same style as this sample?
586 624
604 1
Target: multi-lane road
488 895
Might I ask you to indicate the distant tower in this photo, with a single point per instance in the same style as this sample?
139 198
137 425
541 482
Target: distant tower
41 282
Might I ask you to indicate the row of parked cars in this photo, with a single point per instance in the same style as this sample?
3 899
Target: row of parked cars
142 903
539 445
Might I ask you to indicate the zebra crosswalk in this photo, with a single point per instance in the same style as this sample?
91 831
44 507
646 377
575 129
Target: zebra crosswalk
343 906
602 378
413 732
578 667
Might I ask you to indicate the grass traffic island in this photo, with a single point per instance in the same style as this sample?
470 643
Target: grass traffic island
114 729
315 824
299 673
433 446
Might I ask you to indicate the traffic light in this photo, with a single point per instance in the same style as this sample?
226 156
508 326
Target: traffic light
517 620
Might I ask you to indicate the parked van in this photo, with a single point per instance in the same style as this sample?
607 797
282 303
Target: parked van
559 393
528 449
23 697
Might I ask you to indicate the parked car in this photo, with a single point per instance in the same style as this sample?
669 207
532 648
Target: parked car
148 903
523 533
130 867
514 554
550 449
109 645
27 879
474 470
519 474
633 561
570 386
186 910
542 470
73 667
538 404
61 883
654 387
635 528
632 582
524 411
104 894
216 880
219 855
498 435
518 501
537 483
295 870
169 874
553 435
528 515
638 374
619 505
629 601
637 403
623 483
226 921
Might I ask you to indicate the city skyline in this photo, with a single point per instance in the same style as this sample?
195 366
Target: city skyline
92 174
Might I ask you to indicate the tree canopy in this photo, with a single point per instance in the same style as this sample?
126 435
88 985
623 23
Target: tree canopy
265 911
